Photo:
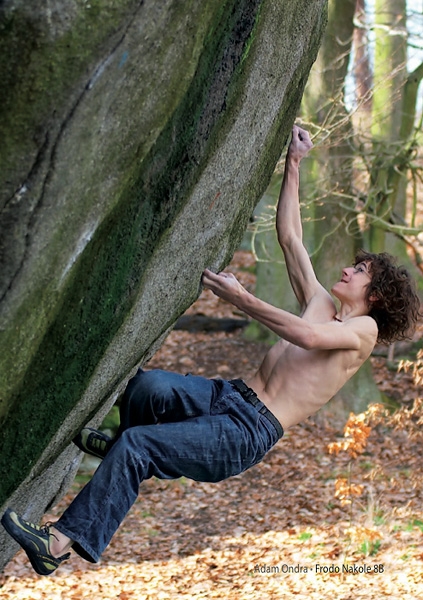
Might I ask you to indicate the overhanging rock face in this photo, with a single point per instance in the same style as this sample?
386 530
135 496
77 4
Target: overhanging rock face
137 137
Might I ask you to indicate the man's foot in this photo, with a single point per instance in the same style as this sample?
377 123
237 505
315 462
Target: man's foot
35 540
93 442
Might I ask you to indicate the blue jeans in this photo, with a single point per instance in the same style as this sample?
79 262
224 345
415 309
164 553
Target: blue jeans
171 426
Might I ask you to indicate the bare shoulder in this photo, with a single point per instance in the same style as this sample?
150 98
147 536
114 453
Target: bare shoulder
363 323
365 327
321 307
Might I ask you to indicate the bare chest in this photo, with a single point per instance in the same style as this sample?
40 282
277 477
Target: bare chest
298 382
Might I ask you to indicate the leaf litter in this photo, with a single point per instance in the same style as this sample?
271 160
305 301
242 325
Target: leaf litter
276 531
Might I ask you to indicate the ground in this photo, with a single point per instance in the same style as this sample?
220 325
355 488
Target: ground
276 531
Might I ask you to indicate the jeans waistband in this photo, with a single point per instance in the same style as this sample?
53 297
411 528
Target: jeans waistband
251 397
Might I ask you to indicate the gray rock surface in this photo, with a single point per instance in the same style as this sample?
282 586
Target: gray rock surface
137 137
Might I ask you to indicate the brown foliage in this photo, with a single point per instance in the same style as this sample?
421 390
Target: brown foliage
188 540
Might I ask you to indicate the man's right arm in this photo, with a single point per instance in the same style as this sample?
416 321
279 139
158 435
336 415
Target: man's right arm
288 223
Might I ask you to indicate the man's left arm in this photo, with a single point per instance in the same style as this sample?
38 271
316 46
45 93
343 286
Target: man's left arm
297 330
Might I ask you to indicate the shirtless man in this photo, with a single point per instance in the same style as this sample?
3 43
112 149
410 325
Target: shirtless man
319 351
208 430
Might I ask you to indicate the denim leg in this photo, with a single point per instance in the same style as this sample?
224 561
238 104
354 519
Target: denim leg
208 448
162 396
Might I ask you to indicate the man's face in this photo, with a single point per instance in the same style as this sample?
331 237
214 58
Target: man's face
353 283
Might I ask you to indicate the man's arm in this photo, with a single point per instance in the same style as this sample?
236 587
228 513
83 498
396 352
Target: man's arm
288 223
298 331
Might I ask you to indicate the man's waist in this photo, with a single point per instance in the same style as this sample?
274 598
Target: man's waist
250 396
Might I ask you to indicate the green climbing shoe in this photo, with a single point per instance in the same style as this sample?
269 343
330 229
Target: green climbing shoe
35 540
93 442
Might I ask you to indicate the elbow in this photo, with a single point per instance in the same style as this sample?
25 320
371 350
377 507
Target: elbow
286 241
308 344
282 240
309 340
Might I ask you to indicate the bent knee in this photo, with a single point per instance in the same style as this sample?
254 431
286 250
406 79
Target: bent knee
153 385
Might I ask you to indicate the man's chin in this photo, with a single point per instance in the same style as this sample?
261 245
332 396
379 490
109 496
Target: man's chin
335 289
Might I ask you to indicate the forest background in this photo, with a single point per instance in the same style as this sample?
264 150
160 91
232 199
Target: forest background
362 184
333 511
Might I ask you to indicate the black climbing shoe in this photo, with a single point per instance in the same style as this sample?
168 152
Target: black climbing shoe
35 540
93 442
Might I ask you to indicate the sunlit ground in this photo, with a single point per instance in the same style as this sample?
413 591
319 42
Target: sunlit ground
276 531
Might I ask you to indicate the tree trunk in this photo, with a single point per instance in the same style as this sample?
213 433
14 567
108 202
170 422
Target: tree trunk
387 110
326 178
336 238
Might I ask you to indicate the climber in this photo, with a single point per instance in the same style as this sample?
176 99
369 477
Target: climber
207 430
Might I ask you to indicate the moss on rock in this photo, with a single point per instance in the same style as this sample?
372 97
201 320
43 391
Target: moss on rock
100 292
139 143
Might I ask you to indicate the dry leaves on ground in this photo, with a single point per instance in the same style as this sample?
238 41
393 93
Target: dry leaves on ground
276 531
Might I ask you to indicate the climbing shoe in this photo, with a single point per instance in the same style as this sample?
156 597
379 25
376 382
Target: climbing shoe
93 442
35 540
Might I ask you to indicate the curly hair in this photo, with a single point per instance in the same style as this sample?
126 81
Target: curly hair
391 296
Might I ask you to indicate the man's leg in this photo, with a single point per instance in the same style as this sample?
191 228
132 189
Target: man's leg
166 397
205 449
209 448
153 397
166 450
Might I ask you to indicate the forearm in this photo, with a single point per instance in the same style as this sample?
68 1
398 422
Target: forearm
285 324
288 217
302 333
296 330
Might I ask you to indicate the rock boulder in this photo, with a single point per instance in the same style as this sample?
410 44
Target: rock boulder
137 137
